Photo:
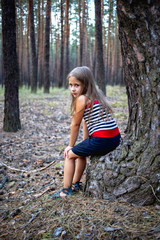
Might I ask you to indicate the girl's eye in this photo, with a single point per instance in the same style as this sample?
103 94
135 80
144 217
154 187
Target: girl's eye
77 85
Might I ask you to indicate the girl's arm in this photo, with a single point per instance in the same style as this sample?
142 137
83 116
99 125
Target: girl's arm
80 107
85 130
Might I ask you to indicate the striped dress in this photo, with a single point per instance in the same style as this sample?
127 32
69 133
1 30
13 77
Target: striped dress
98 124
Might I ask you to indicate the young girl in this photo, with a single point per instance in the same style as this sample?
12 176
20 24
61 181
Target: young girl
100 132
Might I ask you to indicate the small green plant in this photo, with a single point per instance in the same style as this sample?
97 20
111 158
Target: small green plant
59 165
46 235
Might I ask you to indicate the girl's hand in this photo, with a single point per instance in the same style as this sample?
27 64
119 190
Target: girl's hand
67 149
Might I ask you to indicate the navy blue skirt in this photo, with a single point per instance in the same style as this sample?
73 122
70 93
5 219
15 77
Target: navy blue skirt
96 146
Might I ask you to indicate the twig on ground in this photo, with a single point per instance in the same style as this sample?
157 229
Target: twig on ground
28 172
40 194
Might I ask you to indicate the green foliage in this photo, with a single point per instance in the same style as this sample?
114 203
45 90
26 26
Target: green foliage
26 93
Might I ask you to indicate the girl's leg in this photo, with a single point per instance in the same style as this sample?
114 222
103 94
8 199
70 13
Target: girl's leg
70 171
79 169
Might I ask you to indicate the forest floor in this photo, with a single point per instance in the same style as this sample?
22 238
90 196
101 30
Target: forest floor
31 170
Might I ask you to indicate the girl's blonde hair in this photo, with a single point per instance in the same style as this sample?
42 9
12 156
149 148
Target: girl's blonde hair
85 76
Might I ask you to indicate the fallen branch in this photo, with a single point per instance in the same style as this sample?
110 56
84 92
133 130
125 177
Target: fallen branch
28 172
33 217
46 190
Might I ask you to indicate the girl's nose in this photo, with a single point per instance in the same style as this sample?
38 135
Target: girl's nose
73 88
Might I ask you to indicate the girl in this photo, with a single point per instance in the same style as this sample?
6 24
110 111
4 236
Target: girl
100 132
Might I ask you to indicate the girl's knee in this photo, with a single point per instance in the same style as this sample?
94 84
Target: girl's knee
73 156
70 157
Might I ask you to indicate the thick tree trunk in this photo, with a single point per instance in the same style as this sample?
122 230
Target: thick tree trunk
11 73
1 63
47 48
130 172
100 73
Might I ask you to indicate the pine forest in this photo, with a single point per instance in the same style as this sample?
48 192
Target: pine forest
53 37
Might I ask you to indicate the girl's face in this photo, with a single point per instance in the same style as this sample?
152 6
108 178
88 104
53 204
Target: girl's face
76 87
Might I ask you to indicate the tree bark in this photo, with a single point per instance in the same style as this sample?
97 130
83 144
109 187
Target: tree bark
1 63
130 172
99 47
47 47
11 73
33 48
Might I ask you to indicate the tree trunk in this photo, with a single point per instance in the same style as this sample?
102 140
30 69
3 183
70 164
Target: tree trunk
130 172
47 48
66 43
27 54
100 74
86 50
1 63
115 67
76 46
57 60
41 47
33 48
20 46
80 33
11 73
108 67
61 73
